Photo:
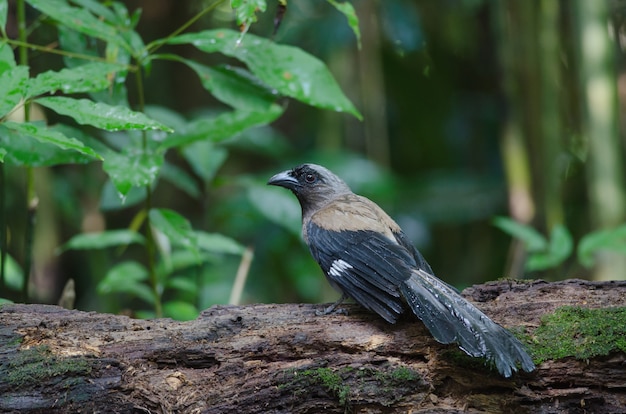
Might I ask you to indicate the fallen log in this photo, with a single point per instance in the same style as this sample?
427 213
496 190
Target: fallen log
285 359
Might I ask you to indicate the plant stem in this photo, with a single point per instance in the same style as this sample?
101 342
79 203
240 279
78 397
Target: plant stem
241 276
150 243
150 250
25 45
152 47
31 197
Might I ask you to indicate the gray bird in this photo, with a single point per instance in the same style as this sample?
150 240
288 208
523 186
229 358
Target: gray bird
366 256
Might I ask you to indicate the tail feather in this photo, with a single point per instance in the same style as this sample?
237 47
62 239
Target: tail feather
450 318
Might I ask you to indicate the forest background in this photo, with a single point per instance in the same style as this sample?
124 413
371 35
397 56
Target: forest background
489 130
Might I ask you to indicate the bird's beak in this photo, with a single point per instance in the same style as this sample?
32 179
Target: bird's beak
284 179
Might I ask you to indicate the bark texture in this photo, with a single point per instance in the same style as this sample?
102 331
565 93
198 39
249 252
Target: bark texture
285 359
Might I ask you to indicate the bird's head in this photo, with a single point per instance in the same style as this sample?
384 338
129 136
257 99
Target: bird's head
313 184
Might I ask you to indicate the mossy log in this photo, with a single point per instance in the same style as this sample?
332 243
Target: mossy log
285 359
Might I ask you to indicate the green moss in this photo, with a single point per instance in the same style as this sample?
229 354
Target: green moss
332 382
581 333
12 342
404 374
38 364
383 384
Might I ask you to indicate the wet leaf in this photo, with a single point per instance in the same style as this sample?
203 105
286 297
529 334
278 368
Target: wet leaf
79 19
90 77
13 83
233 86
222 126
41 133
289 70
246 10
132 167
100 115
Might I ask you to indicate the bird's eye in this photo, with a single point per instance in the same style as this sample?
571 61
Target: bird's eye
310 178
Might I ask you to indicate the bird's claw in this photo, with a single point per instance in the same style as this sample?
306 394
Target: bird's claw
333 310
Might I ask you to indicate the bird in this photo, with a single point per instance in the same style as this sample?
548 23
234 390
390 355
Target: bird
366 256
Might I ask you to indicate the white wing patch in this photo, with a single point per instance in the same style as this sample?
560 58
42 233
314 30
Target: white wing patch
338 267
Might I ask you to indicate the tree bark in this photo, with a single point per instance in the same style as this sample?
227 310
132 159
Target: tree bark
285 359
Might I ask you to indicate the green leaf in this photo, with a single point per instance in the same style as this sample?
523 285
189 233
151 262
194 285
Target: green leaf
12 86
180 179
353 21
533 240
86 78
182 284
102 240
166 115
97 9
100 115
221 127
278 206
13 273
174 226
245 11
132 167
23 149
7 57
289 70
126 23
110 198
234 86
180 259
590 244
205 158
41 133
78 43
127 277
218 243
3 152
179 310
79 19
560 248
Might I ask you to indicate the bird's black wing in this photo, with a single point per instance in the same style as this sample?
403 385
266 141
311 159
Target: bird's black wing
365 265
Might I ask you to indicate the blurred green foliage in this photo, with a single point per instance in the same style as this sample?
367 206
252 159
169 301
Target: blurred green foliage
422 129
171 278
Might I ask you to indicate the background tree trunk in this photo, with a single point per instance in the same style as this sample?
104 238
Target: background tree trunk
284 359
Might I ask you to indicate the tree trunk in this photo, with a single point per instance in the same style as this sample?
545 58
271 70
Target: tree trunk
285 359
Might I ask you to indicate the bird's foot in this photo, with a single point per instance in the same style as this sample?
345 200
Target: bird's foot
333 309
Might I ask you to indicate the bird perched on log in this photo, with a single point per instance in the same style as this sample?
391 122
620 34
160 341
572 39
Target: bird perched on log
366 256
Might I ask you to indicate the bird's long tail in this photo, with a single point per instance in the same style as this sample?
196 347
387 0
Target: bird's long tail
450 318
